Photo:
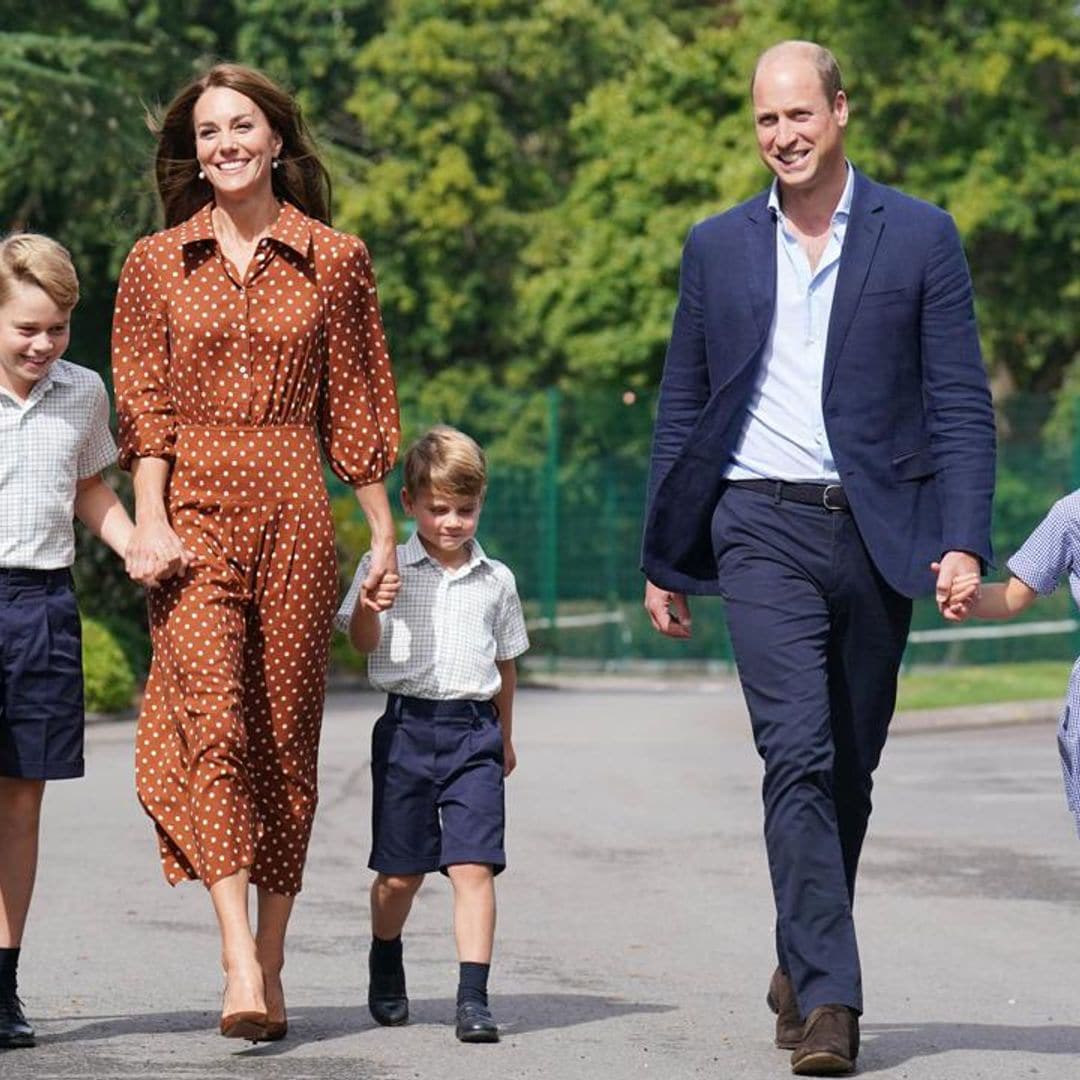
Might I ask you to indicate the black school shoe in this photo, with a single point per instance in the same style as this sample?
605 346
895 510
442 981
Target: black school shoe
475 1024
15 1031
386 997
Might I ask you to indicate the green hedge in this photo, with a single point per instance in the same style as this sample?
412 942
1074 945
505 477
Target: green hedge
110 682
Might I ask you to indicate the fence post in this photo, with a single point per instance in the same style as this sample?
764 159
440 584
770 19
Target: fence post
610 557
549 558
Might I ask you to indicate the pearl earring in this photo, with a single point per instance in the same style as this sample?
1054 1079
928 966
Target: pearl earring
275 163
202 175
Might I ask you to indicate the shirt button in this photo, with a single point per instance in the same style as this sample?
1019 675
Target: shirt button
243 371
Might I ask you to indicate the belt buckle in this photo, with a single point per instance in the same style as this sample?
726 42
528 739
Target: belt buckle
825 497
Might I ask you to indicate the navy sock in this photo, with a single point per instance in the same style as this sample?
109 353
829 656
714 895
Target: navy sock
9 963
472 983
385 955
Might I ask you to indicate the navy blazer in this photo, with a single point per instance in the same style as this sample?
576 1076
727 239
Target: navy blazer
905 396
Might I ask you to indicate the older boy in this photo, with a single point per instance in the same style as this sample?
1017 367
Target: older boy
445 655
54 442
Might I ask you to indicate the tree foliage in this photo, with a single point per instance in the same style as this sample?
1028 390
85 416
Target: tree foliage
525 170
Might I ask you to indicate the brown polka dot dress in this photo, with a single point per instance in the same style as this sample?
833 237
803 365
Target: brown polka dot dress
237 380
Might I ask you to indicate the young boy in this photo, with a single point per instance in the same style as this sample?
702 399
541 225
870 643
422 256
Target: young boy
1050 553
54 442
445 655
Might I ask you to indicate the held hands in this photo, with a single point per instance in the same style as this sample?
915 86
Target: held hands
958 576
380 588
669 612
383 595
154 552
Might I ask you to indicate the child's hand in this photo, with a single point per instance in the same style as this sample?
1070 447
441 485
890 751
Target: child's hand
382 597
509 756
154 553
963 592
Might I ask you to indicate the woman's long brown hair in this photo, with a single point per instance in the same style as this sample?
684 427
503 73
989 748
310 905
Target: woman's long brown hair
301 177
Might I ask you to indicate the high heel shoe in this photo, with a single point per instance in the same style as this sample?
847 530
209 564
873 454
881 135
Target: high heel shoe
250 1024
275 1030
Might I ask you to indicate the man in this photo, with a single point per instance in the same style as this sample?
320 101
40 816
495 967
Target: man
824 434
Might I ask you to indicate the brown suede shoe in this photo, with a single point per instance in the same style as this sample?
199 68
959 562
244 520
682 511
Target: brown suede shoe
830 1042
781 999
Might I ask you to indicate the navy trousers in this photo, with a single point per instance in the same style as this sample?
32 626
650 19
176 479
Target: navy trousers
818 636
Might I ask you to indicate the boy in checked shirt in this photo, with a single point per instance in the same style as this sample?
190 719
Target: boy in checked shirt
444 654
54 442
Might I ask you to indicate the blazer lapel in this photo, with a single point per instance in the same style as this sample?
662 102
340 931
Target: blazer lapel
860 242
761 263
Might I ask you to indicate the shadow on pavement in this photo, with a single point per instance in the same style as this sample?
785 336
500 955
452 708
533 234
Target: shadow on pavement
517 1014
889 1045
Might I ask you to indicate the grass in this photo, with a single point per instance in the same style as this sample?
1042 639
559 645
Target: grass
939 689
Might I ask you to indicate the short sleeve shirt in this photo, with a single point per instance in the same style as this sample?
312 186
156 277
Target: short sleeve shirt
1049 554
447 628
58 436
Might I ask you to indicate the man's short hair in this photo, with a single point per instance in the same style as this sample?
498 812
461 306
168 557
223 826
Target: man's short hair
38 260
446 460
832 81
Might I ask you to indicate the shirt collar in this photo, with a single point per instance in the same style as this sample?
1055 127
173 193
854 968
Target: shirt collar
57 375
292 228
843 207
413 553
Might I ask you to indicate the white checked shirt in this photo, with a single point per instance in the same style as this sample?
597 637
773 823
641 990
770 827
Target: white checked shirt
446 629
56 437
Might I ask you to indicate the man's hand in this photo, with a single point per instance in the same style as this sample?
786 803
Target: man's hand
954 592
668 611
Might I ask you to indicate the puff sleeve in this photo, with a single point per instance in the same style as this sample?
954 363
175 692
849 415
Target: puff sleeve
140 362
359 424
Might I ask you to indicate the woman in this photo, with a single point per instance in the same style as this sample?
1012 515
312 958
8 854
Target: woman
245 334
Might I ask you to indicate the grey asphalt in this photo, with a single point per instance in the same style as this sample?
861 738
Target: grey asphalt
635 920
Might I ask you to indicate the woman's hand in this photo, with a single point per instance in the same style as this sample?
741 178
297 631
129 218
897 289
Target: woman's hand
154 552
380 588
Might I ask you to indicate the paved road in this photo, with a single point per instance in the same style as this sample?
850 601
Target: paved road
635 923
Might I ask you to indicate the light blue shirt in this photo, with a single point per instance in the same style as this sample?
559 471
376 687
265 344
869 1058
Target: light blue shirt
784 436
1050 553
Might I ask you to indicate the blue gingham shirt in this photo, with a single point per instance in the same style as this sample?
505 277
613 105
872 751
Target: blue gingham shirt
447 628
1052 551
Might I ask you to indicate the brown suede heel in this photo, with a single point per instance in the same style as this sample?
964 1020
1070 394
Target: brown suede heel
244 1025
275 1030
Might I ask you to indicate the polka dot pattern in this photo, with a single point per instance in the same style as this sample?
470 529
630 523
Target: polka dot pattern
238 381
297 339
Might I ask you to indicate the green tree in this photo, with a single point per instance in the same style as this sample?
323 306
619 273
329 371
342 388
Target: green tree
464 107
967 108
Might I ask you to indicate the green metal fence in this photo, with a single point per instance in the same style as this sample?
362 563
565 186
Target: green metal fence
564 511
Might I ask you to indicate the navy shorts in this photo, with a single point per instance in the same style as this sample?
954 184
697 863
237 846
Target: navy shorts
437 786
41 678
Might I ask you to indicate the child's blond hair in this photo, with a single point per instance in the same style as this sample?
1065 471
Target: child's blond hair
38 260
445 460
